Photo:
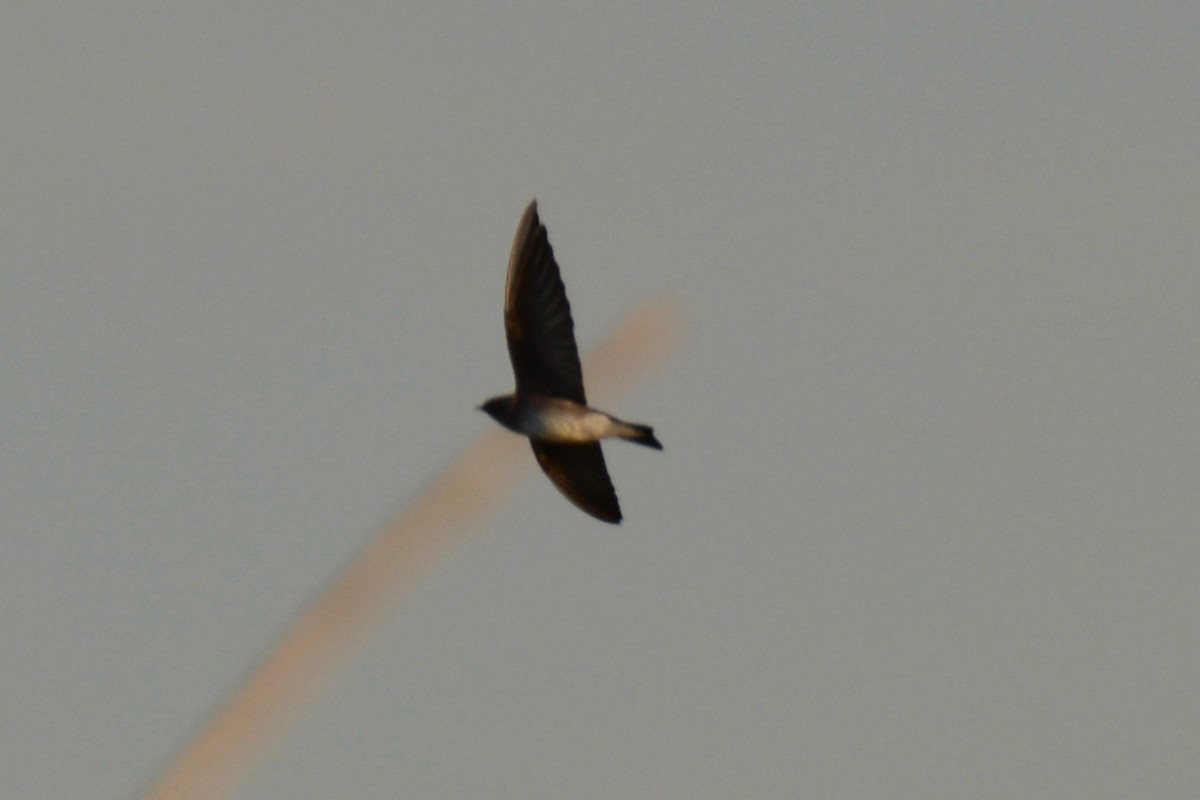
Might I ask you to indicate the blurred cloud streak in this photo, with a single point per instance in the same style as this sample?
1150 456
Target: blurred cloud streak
243 732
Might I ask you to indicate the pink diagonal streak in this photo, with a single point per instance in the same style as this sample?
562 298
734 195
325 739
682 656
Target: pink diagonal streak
253 720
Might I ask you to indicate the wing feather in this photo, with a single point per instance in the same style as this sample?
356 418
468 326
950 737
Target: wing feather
579 473
537 317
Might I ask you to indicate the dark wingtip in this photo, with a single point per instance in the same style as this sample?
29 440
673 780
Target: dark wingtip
610 515
606 513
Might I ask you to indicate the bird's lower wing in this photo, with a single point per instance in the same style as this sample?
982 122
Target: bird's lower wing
579 473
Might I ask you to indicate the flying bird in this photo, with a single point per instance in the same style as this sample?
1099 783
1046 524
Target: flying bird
549 405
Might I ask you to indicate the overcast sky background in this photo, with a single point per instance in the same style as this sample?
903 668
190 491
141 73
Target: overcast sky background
926 521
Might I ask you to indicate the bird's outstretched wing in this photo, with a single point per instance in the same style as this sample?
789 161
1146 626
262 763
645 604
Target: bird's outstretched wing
537 318
579 473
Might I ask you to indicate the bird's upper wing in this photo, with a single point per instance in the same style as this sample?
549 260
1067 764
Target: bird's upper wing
579 473
537 317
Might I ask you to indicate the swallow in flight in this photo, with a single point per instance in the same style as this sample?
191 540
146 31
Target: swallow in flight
549 405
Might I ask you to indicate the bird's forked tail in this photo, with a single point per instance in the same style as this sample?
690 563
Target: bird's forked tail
641 434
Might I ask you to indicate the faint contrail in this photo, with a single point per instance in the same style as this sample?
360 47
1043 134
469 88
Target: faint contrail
254 718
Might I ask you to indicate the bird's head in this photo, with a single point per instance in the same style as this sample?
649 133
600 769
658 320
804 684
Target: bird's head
499 408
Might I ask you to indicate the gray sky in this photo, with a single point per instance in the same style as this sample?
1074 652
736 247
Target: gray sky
926 521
